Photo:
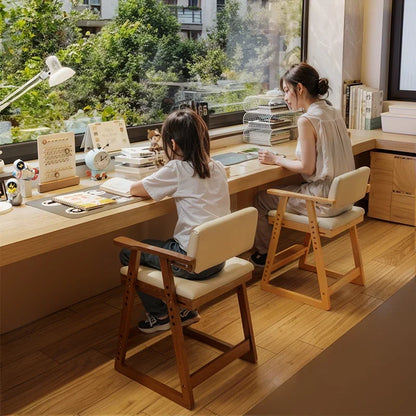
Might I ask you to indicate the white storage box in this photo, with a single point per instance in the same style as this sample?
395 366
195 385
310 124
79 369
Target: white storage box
409 110
398 123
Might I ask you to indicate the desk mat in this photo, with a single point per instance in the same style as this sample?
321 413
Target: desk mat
69 212
228 159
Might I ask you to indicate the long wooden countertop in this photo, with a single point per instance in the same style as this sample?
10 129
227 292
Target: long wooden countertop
27 231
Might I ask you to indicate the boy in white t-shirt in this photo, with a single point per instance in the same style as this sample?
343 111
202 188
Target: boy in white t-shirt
199 187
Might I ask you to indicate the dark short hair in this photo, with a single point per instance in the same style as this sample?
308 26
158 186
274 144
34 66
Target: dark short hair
308 76
190 133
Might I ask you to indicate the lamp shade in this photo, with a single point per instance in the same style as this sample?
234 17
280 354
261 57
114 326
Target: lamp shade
58 73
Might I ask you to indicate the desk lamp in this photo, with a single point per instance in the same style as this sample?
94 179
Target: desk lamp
56 73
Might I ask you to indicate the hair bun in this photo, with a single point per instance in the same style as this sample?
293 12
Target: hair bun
323 86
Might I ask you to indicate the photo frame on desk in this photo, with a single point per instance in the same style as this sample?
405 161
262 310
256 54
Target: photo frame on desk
57 164
111 135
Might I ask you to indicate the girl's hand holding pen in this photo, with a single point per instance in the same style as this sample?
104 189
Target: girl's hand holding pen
269 158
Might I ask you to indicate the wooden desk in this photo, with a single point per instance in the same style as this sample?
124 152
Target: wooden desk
49 262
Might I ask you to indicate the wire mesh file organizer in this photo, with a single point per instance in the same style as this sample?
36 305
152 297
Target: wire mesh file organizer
268 125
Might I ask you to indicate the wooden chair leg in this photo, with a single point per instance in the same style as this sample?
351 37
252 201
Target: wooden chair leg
358 261
246 322
319 259
302 260
181 359
126 311
277 227
178 339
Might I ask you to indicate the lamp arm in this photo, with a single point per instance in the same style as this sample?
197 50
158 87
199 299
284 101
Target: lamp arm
23 89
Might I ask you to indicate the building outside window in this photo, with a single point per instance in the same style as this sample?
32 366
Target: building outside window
144 63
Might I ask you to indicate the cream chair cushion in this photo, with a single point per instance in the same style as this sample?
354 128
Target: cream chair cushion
234 269
218 240
326 223
348 188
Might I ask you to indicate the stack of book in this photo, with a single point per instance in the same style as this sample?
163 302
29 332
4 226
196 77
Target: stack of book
280 105
138 162
362 106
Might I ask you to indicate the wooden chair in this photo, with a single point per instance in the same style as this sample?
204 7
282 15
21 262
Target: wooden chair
211 243
345 190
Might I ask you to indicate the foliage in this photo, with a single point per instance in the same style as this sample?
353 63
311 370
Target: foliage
36 28
131 68
209 68
114 66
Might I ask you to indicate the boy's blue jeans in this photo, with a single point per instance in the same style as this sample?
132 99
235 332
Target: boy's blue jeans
155 306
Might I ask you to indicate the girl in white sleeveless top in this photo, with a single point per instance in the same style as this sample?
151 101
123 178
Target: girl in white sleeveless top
323 151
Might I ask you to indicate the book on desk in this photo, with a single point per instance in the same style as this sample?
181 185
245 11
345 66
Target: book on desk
84 200
117 186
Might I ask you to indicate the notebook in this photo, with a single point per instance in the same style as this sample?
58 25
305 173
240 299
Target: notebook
117 186
83 200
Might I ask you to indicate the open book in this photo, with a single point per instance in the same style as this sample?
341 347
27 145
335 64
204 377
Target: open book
117 186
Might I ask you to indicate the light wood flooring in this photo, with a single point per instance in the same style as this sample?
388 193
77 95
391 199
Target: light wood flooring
63 364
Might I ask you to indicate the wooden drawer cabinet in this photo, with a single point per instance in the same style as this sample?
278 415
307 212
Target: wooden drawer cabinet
393 185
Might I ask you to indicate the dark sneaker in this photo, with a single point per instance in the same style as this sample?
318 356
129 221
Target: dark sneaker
258 259
153 324
189 317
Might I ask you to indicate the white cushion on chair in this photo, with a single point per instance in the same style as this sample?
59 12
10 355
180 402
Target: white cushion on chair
217 240
350 187
234 269
327 223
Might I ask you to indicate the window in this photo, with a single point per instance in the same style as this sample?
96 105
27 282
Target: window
146 62
94 5
402 74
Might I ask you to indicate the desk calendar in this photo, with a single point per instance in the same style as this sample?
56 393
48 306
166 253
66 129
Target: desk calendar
108 135
56 154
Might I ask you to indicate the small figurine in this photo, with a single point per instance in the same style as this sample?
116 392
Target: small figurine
13 193
25 174
23 171
155 146
154 137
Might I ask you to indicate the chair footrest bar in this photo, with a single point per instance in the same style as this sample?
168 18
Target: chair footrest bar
220 362
347 278
207 339
311 268
294 295
288 255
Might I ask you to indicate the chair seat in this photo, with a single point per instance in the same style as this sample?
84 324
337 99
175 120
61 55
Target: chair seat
234 269
327 223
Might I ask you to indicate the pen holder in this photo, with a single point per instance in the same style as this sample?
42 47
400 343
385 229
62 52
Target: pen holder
25 188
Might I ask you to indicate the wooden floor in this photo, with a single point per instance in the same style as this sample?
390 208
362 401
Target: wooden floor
63 364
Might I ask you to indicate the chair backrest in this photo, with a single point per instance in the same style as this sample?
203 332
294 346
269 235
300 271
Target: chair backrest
218 240
349 187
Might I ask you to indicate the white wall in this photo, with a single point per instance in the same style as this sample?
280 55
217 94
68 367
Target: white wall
376 44
350 39
108 8
335 31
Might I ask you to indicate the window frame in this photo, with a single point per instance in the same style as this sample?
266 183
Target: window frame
28 150
394 91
